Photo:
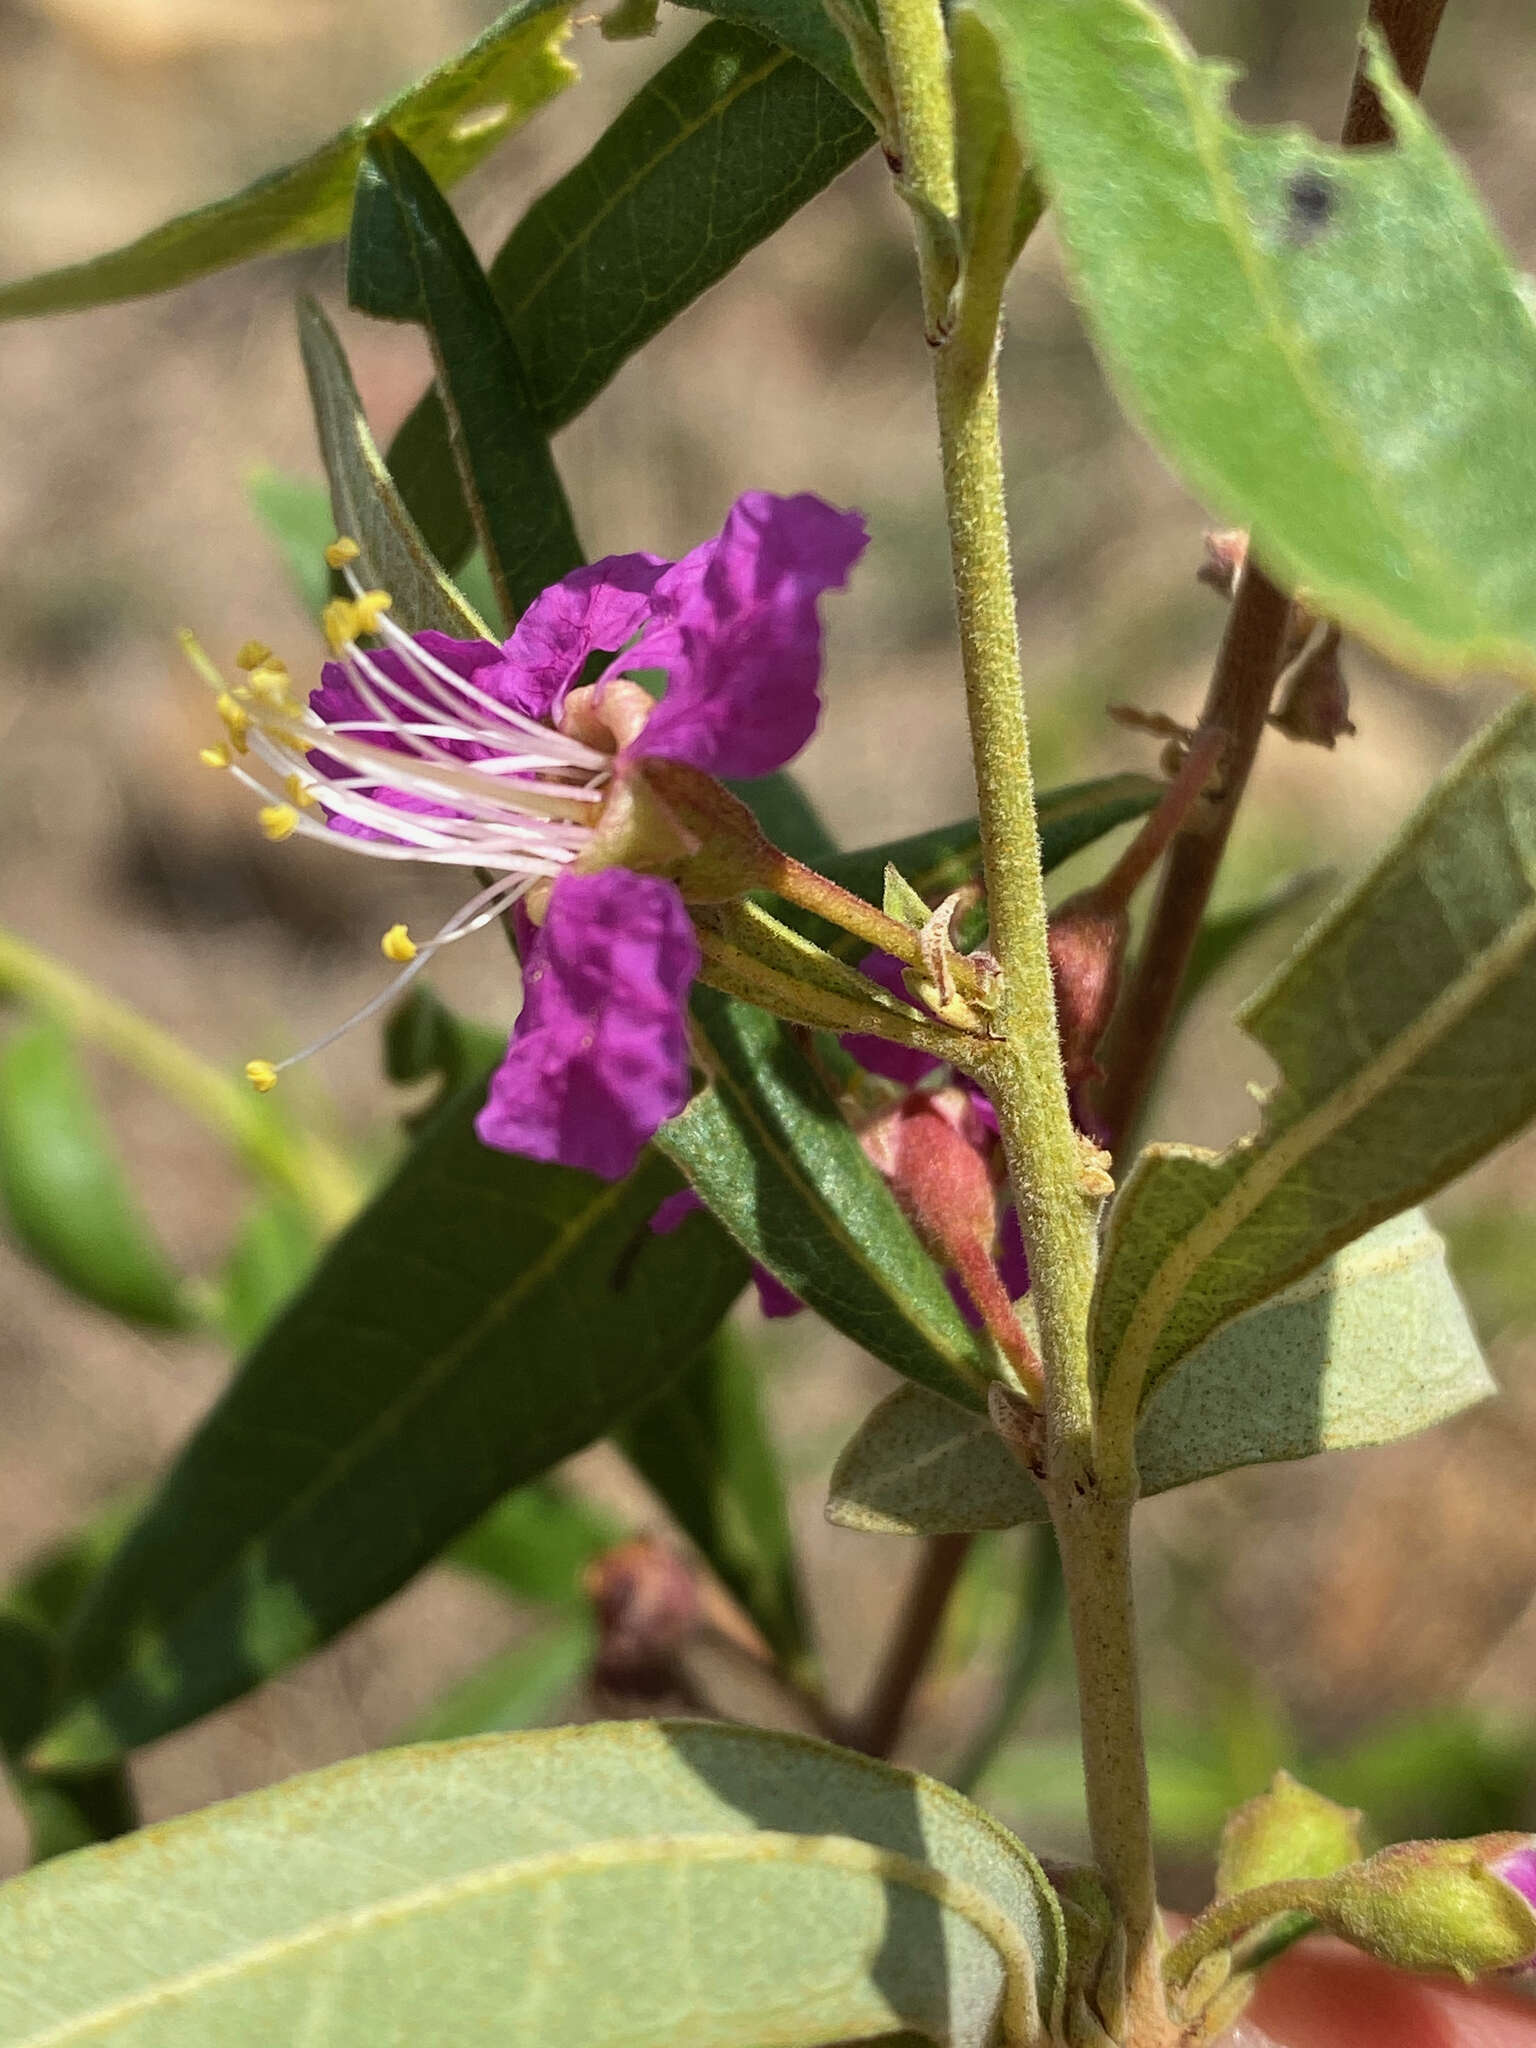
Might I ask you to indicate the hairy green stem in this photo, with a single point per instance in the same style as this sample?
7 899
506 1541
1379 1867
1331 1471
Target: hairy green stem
297 1163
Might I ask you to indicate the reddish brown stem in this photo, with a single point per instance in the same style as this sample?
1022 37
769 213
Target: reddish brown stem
878 1727
1238 702
1152 841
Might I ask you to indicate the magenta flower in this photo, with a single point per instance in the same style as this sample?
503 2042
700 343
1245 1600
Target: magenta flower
465 754
1518 1869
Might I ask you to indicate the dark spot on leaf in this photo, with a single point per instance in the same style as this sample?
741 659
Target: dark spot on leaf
1309 197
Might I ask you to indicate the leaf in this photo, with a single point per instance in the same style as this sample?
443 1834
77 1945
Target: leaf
1401 1028
601 1887
63 1187
535 1543
1373 1346
803 26
1274 313
424 1039
62 1810
452 118
787 815
1225 932
297 514
270 1259
714 153
768 1150
366 504
408 259
482 1319
703 1446
520 1688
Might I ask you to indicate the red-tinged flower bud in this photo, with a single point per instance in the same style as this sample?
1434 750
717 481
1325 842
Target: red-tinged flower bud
1087 945
647 1605
1315 707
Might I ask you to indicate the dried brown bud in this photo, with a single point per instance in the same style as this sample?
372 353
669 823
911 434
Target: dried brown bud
1315 707
1225 554
647 1605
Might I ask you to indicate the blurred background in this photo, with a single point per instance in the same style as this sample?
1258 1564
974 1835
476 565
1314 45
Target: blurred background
1368 1618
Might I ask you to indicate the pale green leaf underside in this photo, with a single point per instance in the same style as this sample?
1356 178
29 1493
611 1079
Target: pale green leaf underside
1330 346
452 119
1372 1346
1401 1027
367 506
643 1885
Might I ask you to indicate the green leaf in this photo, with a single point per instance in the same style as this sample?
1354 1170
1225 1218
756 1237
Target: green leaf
408 259
522 1687
481 1320
535 1544
63 1810
803 26
601 1887
425 1040
63 1187
1372 1346
787 815
1274 313
1225 932
366 504
768 1150
297 514
269 1261
713 154
703 1445
452 118
1401 1028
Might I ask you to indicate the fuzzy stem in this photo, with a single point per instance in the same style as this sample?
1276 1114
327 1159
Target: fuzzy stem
807 890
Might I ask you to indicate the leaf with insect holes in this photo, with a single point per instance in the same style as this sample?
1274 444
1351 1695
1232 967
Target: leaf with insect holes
1331 346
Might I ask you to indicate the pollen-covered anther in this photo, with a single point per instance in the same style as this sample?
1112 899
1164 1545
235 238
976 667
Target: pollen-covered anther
262 1075
214 757
341 551
347 619
253 654
278 821
398 945
237 720
301 794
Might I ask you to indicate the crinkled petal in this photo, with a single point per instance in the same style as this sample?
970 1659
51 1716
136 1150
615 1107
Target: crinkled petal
599 1055
591 611
1519 1869
736 629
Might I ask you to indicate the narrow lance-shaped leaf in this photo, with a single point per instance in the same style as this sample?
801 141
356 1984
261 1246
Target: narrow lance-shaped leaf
63 1189
713 154
481 1320
1402 1030
523 1687
803 26
408 259
1372 1346
767 1148
599 1887
452 118
367 506
1331 346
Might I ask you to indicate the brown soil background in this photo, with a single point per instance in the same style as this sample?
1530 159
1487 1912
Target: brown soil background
1345 1591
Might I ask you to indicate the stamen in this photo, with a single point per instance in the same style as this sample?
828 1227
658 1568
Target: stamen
299 791
341 551
214 757
278 821
237 720
253 654
262 1075
398 945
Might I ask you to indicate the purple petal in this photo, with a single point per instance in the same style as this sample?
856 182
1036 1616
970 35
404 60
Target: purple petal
773 1297
337 697
1012 1259
593 610
599 1055
878 1055
1519 1869
735 626
675 1211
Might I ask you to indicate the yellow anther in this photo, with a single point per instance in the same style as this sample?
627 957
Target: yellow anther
278 821
299 791
398 945
341 551
262 1075
285 736
274 687
339 622
214 757
237 720
368 607
253 654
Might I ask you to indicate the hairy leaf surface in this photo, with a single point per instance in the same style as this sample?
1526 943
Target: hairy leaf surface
602 1887
1331 346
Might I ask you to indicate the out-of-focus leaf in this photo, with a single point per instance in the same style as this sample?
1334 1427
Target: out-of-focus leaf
1239 282
269 1261
1369 1347
768 1150
63 1810
452 118
64 1190
803 26
703 1445
408 259
787 816
1042 1608
1401 1028
713 154
366 504
518 1689
599 1887
297 514
535 1543
1224 934
424 1039
482 1319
